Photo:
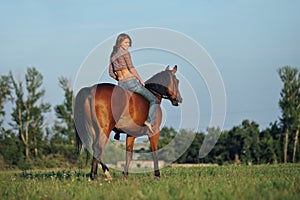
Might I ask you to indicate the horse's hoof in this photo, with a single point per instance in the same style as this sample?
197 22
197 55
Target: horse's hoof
125 174
108 180
117 136
108 177
157 178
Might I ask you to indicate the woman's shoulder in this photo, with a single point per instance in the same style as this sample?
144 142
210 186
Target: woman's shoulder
123 51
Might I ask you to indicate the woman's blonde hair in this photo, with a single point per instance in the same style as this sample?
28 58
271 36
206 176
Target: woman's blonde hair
119 40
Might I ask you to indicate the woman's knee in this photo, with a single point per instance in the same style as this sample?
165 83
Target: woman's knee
155 101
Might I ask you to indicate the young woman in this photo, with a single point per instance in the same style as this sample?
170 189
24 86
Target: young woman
122 70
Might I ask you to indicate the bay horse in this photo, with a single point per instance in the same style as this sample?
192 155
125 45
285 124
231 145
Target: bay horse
105 107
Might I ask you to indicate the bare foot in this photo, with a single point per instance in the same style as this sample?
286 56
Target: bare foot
149 126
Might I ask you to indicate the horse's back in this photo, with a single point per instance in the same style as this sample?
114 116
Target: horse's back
127 109
116 107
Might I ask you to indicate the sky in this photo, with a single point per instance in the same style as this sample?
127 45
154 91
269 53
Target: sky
247 40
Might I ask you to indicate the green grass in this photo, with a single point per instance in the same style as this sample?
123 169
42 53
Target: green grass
226 182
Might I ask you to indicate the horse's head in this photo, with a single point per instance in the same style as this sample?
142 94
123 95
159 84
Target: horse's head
166 85
173 93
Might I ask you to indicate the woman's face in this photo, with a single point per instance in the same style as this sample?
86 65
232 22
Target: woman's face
125 44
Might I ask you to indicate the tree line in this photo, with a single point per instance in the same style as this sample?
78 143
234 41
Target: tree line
27 140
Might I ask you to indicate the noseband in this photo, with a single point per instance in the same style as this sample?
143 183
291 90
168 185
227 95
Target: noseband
161 90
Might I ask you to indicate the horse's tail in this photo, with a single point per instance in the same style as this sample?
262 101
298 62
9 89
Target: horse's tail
82 128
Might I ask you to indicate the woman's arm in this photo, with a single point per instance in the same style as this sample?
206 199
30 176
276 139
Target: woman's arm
111 72
130 66
135 73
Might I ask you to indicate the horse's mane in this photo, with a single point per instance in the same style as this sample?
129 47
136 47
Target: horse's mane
159 82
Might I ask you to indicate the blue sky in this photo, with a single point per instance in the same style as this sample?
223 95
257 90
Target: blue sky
248 41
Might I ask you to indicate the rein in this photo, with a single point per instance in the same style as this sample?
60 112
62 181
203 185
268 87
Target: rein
157 87
158 94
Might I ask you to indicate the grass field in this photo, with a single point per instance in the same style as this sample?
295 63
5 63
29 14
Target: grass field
226 182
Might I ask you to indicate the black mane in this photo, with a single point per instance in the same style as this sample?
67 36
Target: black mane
159 83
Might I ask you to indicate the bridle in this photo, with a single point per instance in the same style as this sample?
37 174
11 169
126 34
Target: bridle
164 94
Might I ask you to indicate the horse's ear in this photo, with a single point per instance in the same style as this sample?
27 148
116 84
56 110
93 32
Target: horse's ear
167 68
174 69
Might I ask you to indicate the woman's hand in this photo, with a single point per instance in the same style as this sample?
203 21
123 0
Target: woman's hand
142 82
135 73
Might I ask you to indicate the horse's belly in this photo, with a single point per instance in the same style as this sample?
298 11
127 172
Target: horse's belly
129 126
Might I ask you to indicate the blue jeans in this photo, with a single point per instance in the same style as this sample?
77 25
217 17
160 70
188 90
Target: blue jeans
135 86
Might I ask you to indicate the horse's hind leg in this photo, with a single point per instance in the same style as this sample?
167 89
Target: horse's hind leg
98 148
97 152
94 169
129 151
106 171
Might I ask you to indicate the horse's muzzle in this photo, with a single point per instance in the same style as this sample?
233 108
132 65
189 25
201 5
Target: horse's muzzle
176 101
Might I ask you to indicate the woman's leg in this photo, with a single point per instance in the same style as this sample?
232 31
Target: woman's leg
152 100
136 87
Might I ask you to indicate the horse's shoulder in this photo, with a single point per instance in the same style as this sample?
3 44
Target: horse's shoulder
109 87
104 85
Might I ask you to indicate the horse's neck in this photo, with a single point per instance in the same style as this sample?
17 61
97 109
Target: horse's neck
157 85
157 95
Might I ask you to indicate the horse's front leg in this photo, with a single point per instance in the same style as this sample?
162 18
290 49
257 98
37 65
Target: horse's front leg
154 148
129 152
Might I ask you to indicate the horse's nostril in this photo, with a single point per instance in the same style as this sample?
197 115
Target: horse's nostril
179 99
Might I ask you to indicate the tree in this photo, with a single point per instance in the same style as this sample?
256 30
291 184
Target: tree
210 141
63 141
29 114
297 123
290 108
64 112
278 140
270 144
5 92
297 117
220 153
243 143
184 147
166 144
166 136
191 155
